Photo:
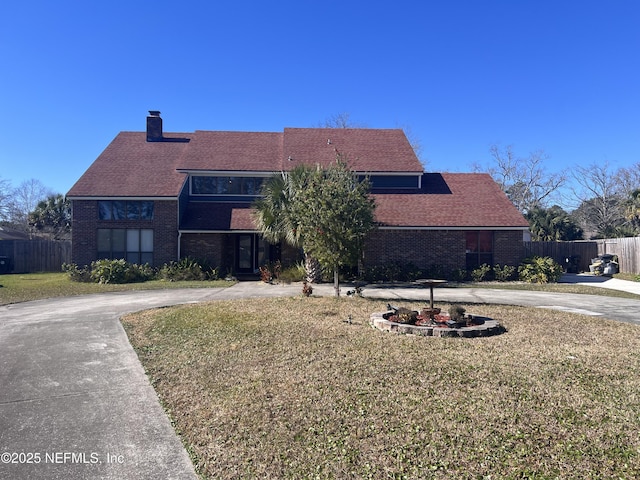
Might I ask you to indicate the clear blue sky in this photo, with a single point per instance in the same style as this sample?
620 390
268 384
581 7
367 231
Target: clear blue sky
557 75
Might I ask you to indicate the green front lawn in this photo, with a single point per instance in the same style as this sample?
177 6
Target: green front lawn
35 286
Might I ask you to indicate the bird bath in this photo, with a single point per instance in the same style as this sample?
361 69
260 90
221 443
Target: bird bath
429 321
430 282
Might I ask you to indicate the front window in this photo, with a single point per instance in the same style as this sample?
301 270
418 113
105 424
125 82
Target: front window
132 244
479 248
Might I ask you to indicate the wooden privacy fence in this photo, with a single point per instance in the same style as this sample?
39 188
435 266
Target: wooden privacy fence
627 250
29 256
560 251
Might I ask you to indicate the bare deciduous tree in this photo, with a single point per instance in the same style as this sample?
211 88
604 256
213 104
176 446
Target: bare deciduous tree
601 209
24 199
415 143
628 179
525 180
5 199
341 120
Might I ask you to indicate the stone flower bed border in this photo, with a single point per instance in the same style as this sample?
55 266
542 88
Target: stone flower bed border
489 327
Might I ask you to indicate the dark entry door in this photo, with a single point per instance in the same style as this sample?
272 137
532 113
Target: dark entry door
245 253
252 252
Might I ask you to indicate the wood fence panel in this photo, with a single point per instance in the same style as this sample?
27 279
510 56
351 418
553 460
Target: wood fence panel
627 250
560 251
29 256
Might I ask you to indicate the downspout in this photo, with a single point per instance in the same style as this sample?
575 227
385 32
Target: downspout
179 243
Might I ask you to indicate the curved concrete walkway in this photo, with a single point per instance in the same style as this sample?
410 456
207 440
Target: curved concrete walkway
75 402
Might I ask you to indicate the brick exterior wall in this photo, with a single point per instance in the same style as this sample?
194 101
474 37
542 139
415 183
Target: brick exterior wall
219 250
423 248
215 249
508 247
446 248
85 225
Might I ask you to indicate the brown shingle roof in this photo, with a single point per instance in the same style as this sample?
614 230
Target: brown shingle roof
131 166
368 150
454 200
448 200
239 151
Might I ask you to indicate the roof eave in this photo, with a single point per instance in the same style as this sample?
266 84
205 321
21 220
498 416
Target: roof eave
451 227
122 197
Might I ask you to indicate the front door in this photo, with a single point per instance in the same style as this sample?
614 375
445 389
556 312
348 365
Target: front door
252 252
245 255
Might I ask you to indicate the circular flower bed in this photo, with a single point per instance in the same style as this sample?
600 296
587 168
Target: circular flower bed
429 323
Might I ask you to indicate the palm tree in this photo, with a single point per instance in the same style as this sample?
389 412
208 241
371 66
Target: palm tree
276 216
632 210
52 215
552 224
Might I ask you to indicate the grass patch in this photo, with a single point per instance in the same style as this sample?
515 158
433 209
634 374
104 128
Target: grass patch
631 277
35 286
546 287
284 388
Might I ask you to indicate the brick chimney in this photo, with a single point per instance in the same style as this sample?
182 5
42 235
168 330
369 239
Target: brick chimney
154 126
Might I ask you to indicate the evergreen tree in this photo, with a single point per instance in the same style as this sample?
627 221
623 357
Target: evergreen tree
552 224
327 212
52 216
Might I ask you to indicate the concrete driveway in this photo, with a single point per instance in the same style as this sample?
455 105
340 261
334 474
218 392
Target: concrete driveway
75 402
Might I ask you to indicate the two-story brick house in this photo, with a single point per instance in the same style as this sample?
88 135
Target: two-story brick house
152 197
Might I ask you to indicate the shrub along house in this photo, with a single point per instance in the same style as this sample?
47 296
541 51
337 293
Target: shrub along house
153 197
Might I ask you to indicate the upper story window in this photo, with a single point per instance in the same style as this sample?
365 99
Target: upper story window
125 210
393 181
207 185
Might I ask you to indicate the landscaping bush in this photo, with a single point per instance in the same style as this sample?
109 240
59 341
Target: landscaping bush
373 273
408 272
456 312
392 272
294 273
540 270
504 273
120 271
77 274
482 273
436 271
185 269
270 272
458 275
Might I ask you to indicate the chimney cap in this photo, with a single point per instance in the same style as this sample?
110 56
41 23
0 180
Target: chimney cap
154 113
